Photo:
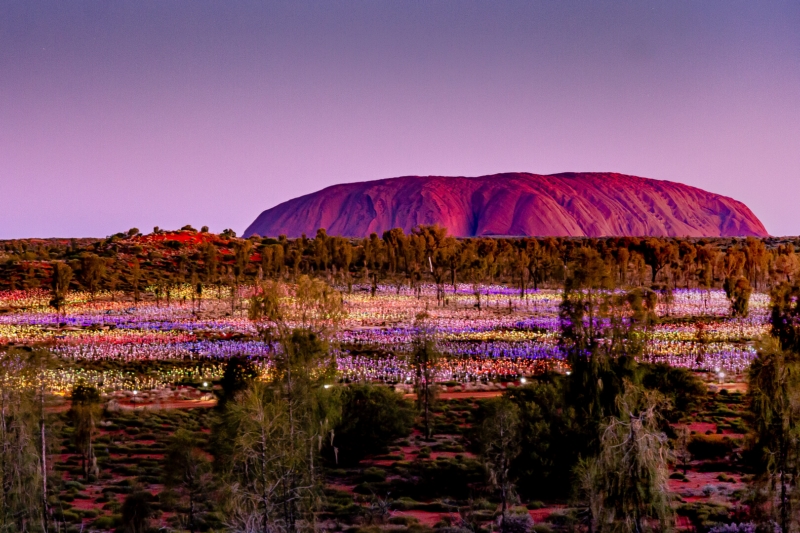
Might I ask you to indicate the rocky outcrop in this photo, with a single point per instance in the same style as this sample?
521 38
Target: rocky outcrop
569 204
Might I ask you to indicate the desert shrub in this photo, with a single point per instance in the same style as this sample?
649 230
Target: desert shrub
566 519
404 503
136 512
373 474
130 422
550 442
680 385
443 478
67 515
104 522
710 447
372 418
744 527
703 515
516 523
377 487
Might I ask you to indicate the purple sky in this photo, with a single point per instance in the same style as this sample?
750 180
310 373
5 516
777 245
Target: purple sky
116 114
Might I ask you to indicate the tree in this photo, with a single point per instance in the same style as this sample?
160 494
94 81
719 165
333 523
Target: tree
276 428
658 253
239 372
188 470
35 372
437 248
372 418
62 276
774 389
20 473
92 271
272 472
603 332
136 512
738 291
210 263
423 359
680 386
499 442
242 252
134 279
626 483
785 316
550 438
84 413
311 304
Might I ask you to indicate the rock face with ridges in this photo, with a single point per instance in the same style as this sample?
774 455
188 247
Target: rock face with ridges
569 204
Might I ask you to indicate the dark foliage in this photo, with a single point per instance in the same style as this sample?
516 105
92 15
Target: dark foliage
372 418
679 385
136 512
239 371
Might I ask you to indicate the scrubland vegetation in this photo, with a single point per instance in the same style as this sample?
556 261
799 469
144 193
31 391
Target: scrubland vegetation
409 383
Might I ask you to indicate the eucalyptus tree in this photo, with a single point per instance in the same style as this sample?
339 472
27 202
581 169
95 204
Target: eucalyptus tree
92 272
603 332
276 426
423 358
738 291
625 484
38 363
21 500
499 437
434 249
84 413
61 278
774 390
187 470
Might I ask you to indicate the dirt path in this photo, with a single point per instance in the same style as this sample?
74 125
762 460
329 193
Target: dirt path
460 395
170 404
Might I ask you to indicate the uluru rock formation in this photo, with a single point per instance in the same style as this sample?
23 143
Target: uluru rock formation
568 204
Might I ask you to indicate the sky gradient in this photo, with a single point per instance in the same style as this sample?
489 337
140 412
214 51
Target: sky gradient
117 114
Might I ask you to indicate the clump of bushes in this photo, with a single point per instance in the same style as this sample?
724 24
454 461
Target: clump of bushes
373 417
710 447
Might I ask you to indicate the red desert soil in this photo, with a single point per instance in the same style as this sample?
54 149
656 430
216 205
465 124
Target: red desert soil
426 518
540 515
569 204
462 395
